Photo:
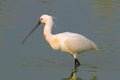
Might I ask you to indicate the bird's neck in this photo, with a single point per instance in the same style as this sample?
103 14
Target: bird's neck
48 30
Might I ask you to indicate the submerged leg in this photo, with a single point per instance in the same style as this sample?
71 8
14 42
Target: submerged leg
77 63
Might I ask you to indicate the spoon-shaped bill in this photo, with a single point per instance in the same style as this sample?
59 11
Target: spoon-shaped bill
34 28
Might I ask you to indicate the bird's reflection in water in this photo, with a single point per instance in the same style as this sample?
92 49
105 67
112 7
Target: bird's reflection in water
73 76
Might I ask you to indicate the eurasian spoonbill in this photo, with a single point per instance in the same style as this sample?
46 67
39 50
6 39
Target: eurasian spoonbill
72 43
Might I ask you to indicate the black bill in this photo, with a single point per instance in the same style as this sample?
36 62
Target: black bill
34 28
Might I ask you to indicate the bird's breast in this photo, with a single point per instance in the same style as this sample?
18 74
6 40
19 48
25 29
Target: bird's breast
55 43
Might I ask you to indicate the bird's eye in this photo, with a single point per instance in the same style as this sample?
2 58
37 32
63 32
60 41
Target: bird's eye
41 19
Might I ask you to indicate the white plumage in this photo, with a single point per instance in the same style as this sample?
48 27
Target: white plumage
72 43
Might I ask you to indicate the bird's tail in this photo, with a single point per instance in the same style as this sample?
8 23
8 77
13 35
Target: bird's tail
95 47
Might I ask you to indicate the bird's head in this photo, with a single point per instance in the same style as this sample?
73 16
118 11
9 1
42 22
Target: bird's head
45 18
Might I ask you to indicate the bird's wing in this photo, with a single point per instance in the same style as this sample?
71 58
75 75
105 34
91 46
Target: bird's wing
79 44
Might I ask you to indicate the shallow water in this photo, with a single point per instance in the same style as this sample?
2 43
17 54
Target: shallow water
97 20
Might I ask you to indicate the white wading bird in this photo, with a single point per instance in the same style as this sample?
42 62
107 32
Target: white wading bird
72 43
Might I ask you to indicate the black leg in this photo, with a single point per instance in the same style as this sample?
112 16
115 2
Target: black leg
77 63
